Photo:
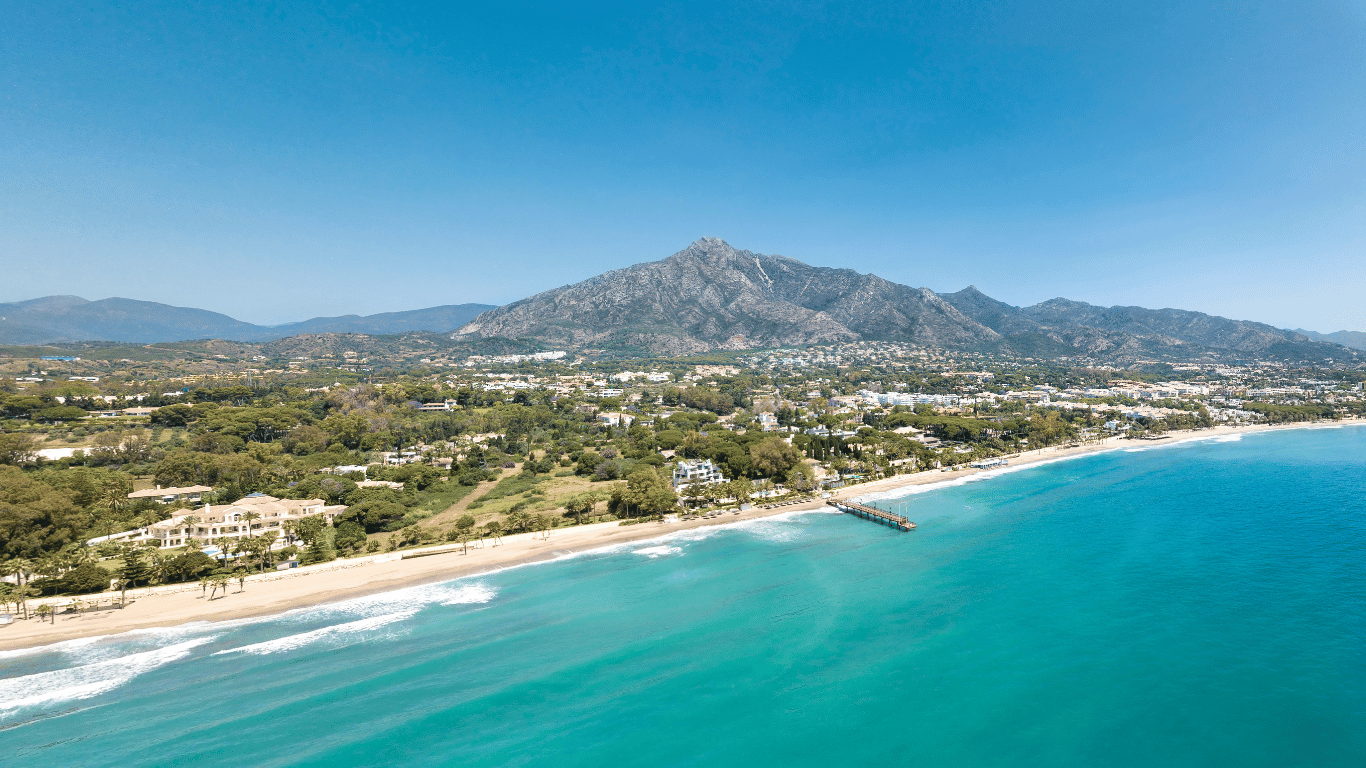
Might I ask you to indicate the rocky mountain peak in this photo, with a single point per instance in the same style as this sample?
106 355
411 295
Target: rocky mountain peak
711 295
710 250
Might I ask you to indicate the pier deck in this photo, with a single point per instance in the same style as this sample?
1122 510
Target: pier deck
874 514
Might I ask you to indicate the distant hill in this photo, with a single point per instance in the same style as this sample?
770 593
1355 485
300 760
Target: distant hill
71 318
1353 339
1061 324
433 319
712 296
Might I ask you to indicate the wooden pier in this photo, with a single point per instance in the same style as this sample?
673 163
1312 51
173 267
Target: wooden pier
872 513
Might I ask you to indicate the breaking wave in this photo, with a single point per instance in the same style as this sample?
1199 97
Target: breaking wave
43 688
336 631
659 551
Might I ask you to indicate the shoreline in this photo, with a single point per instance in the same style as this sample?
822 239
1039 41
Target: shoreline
281 591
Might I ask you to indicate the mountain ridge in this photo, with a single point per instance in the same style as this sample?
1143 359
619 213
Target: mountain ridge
64 318
713 296
1353 339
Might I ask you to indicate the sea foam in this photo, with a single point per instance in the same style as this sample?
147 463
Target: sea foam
88 680
659 551
345 632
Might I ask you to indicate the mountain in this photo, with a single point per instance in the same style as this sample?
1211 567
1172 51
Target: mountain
712 296
1353 339
72 318
435 319
1062 324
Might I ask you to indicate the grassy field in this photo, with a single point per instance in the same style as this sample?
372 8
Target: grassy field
442 496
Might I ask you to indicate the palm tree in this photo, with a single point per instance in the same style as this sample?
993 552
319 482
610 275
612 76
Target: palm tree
114 493
267 540
542 525
712 493
594 499
24 592
158 567
250 517
495 530
217 582
82 555
578 505
18 567
517 521
49 567
46 610
224 544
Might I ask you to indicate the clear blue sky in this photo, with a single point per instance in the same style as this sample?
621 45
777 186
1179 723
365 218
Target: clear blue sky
280 161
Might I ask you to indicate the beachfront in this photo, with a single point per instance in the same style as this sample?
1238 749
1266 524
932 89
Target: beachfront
276 592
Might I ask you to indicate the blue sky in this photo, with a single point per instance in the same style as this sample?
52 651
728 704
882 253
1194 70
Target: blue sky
281 161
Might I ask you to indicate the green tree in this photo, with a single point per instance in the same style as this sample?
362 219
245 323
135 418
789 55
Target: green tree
495 531
308 529
134 570
465 524
774 457
517 521
740 489
348 430
225 544
17 448
801 478
349 535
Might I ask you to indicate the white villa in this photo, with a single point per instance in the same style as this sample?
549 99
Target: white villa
613 419
702 471
212 522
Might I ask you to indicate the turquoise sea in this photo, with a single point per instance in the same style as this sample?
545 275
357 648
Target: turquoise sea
1199 604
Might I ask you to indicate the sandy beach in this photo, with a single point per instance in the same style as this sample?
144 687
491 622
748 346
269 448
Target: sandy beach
276 592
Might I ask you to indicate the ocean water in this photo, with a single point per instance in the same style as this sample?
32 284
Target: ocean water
1197 604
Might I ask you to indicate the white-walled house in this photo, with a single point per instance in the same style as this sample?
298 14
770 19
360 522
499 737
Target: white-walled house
701 471
214 521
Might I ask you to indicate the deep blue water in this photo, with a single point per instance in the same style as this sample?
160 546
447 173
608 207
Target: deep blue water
1197 604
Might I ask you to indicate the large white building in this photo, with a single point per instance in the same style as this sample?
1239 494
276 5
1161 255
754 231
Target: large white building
213 521
701 471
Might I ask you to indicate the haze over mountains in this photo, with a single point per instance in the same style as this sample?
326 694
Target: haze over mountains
712 296
1353 339
71 318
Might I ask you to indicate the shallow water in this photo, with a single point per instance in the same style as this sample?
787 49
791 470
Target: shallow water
1193 604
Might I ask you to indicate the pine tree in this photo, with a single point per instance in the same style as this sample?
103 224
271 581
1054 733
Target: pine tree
134 571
